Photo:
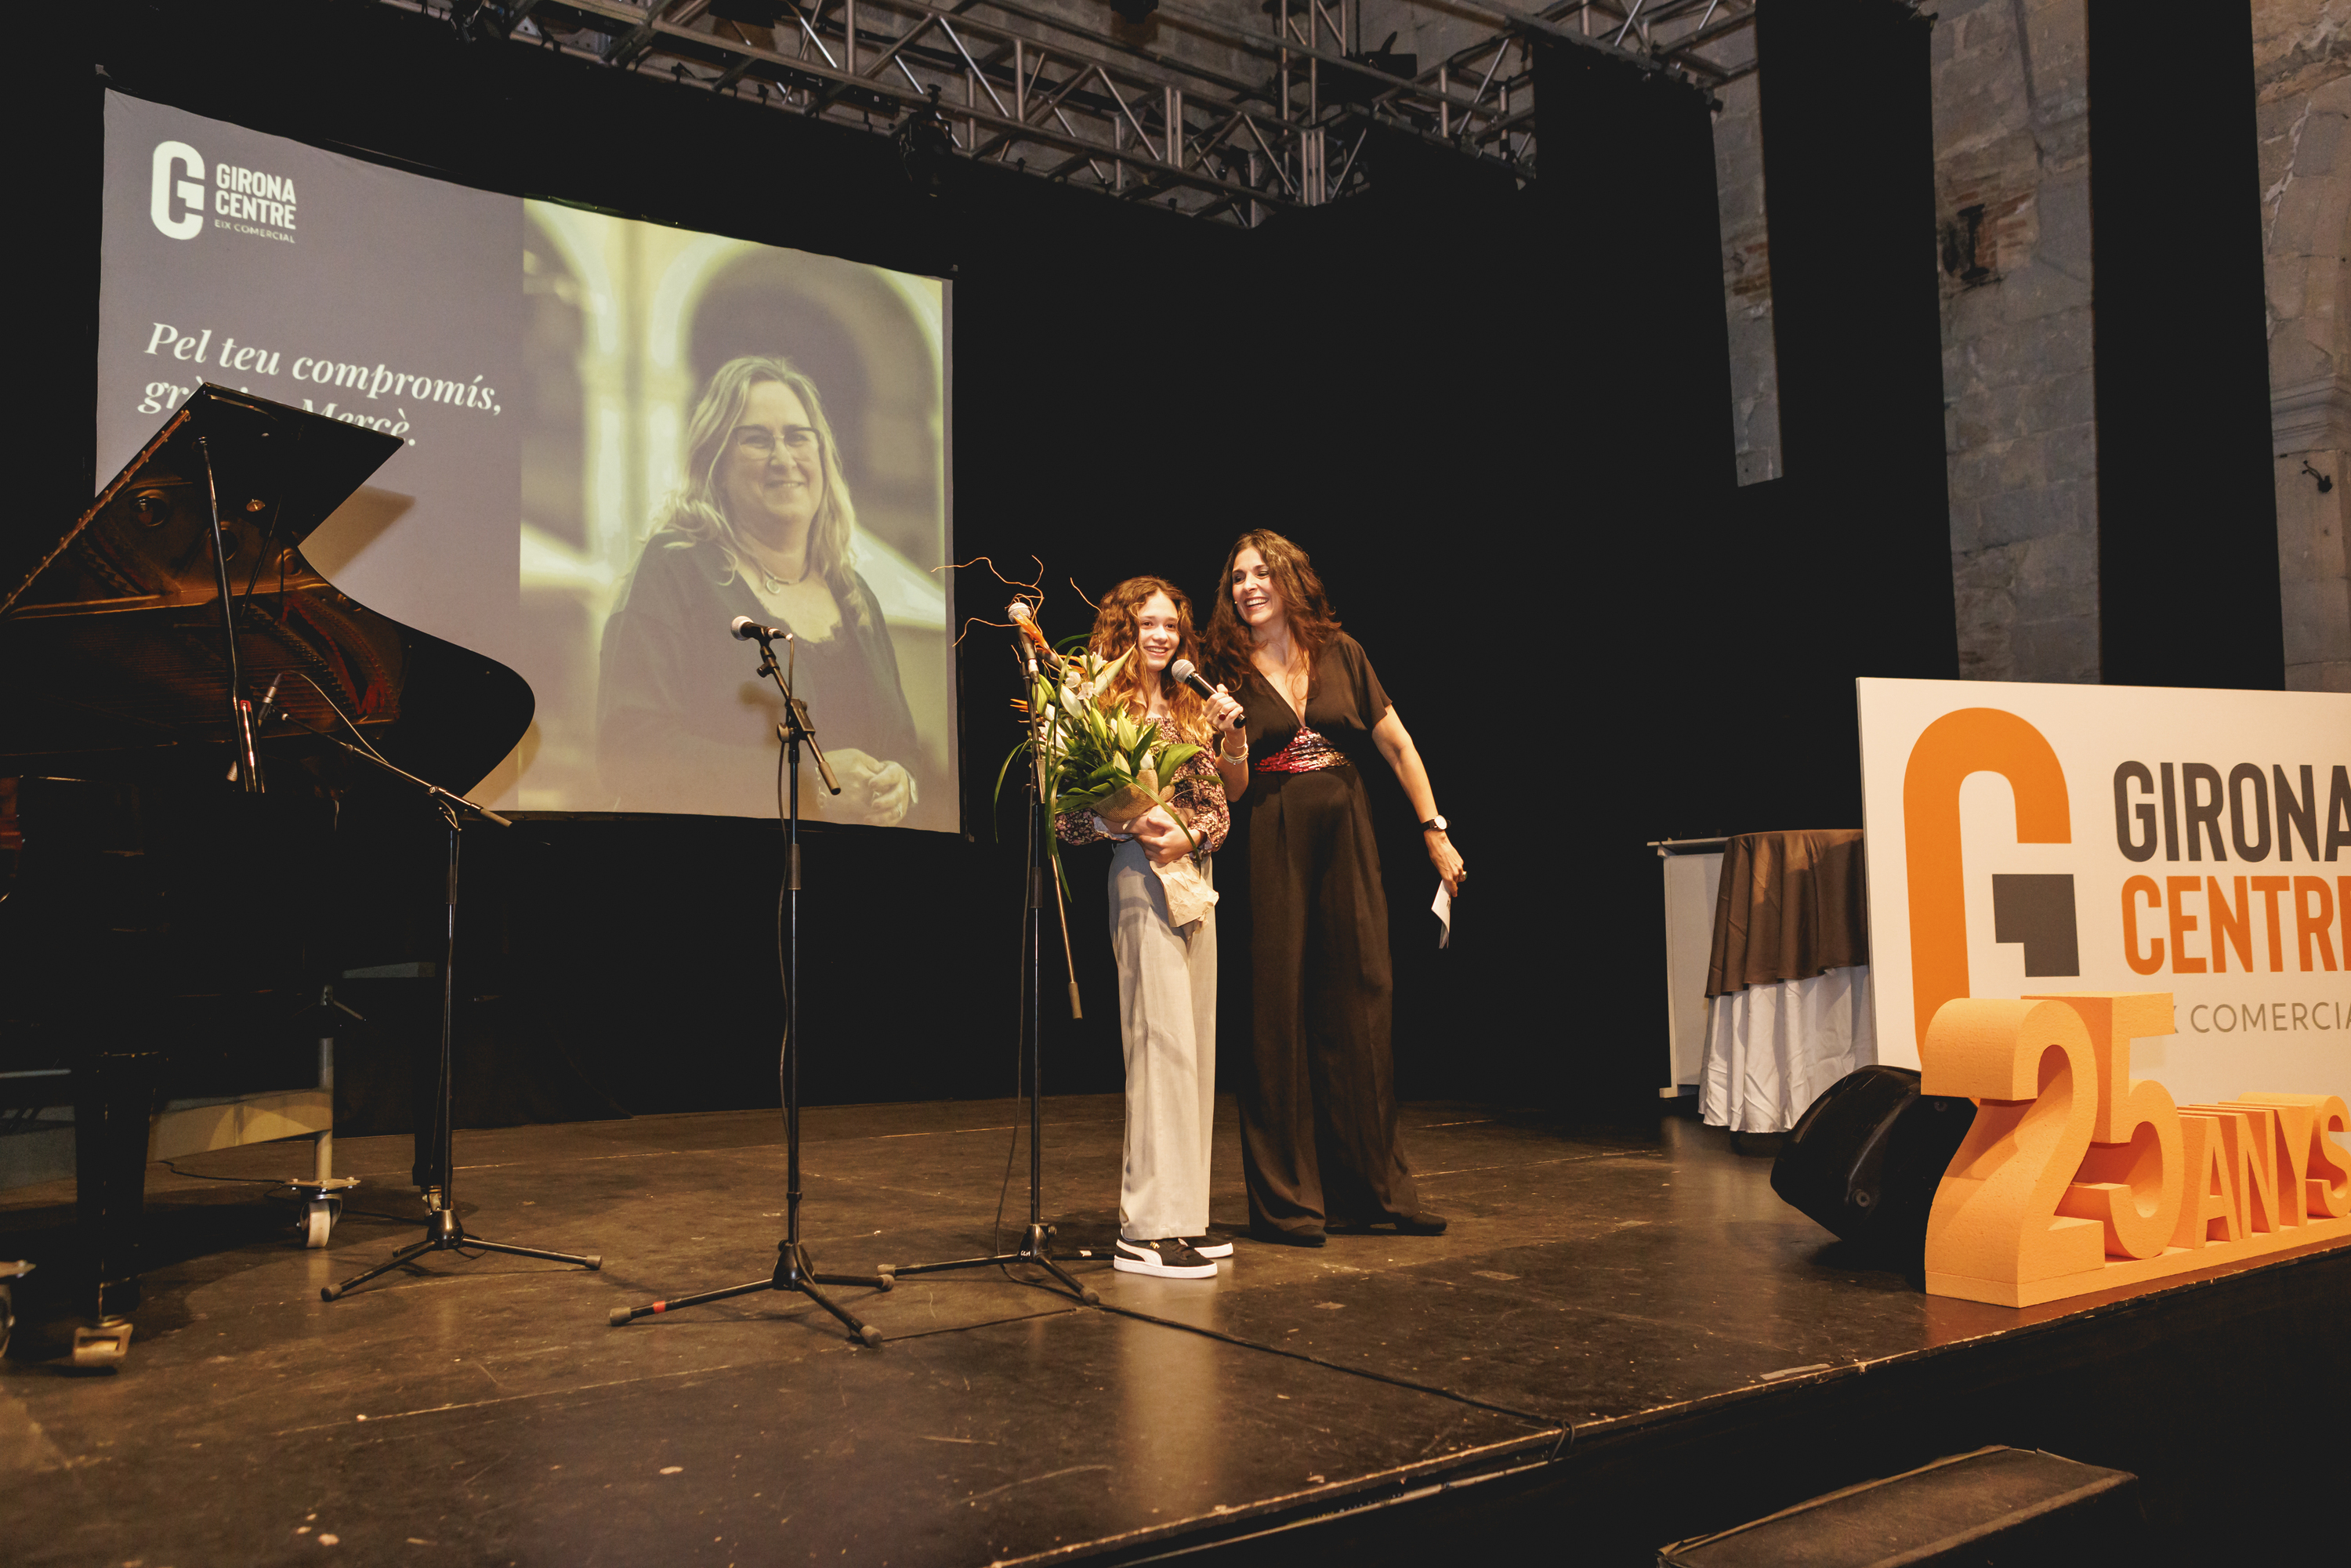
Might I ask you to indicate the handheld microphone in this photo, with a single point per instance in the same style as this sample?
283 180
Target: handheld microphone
1184 671
748 629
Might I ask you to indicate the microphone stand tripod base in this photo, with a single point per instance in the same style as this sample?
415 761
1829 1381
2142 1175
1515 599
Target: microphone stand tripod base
1037 1241
444 1232
793 1273
1035 1247
435 1142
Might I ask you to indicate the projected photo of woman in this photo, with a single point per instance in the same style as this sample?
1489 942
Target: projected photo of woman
760 525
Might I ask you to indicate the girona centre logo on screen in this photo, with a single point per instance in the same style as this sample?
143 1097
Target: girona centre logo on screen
175 201
242 201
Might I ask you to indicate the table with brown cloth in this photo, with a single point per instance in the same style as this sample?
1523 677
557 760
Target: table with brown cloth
1788 996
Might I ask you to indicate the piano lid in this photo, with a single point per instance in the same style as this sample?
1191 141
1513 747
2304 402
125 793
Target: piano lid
145 542
111 634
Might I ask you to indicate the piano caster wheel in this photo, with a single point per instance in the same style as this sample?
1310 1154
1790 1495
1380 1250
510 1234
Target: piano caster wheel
322 1205
103 1345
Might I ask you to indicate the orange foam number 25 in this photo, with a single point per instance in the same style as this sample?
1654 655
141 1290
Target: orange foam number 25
2077 1178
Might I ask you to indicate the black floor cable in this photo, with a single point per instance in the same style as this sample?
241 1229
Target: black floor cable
1339 1507
348 1212
1406 1383
204 1175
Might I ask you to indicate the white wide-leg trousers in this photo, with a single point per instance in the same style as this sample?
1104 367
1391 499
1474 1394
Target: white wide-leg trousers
1168 1022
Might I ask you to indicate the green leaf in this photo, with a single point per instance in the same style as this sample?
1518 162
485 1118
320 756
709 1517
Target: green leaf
999 795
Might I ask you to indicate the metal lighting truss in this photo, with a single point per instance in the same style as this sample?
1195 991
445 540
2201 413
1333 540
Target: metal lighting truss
1167 120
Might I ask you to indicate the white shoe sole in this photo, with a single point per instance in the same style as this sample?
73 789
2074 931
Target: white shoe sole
1126 1264
1213 1249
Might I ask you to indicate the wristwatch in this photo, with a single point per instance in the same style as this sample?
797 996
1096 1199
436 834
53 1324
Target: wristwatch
1436 822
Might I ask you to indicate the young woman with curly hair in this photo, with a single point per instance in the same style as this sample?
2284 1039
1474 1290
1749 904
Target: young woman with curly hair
1318 1140
1166 973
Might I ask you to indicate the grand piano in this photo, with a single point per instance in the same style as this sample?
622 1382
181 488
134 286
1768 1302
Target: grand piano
183 703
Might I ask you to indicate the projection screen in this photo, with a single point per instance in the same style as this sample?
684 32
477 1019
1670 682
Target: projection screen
612 440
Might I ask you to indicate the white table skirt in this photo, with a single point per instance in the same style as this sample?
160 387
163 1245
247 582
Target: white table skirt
1771 1050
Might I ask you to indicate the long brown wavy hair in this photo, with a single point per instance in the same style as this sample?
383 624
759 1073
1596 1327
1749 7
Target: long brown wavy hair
697 510
1115 633
1311 624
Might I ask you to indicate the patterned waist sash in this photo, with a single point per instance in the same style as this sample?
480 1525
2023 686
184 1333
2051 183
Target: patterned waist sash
1307 752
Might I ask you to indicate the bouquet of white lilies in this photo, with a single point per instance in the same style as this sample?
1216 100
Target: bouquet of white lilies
1099 759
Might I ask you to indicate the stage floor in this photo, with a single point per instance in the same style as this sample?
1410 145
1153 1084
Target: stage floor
1621 1339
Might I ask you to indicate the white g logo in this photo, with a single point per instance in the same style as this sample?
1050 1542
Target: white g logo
190 223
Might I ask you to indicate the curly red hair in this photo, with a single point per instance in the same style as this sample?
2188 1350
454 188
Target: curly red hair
1116 632
1311 623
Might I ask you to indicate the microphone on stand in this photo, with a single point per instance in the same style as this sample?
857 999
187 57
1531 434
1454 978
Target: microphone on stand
1019 613
1184 671
747 630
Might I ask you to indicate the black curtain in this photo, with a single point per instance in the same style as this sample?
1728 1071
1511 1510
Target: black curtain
2188 546
1847 558
1498 416
1132 388
1632 340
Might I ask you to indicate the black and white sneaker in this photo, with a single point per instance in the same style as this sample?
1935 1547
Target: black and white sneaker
1169 1258
1209 1247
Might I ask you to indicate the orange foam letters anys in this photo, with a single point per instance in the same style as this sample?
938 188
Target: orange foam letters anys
2248 1134
2076 1176
2209 1211
2324 1167
2290 1134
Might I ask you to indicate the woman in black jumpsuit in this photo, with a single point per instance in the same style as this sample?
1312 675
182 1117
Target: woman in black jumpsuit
1319 1142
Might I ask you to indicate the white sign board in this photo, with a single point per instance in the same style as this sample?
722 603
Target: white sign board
2033 839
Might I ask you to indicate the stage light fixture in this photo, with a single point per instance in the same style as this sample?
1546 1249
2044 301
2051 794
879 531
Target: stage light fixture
480 20
1134 11
924 144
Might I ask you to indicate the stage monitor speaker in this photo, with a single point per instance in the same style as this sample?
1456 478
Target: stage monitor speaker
2013 1507
1865 1157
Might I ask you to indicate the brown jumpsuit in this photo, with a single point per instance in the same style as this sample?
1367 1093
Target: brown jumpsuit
1319 1141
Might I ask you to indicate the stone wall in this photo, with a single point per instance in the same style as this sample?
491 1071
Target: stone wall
2012 159
1747 280
2013 198
2303 77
